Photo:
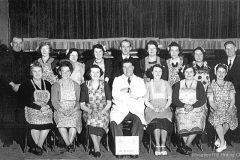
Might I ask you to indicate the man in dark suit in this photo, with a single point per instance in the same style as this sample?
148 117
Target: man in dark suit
125 47
14 70
233 62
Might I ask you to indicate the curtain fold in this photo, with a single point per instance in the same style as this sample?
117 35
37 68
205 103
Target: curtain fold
91 19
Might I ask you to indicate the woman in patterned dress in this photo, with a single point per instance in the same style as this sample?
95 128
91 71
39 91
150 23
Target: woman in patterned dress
189 98
79 68
65 100
95 101
104 63
48 63
158 114
221 96
201 67
35 96
152 59
175 64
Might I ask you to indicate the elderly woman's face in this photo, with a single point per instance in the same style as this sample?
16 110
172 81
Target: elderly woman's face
174 52
95 73
221 73
45 51
65 72
152 50
98 53
198 56
37 73
73 56
157 73
189 73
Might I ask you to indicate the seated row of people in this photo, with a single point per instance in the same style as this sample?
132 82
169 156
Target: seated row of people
129 96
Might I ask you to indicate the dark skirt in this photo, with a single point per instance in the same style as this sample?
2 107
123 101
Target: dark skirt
158 123
190 133
98 131
41 126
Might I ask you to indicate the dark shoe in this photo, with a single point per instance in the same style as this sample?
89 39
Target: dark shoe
38 151
119 156
97 154
134 156
180 150
70 148
188 150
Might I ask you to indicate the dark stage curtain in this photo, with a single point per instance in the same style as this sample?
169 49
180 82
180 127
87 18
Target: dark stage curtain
90 19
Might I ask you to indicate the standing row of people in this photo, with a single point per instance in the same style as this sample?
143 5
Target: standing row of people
167 83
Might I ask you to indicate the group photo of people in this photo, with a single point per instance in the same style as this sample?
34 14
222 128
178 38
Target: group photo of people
119 79
160 97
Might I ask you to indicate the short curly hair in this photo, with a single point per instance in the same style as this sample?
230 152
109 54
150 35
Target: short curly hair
42 44
65 63
35 64
72 50
95 66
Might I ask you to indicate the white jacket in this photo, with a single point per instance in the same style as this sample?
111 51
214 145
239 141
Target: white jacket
122 103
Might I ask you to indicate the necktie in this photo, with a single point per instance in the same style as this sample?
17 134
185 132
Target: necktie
230 64
129 80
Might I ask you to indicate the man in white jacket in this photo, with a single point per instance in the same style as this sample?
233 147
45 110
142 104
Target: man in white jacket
128 102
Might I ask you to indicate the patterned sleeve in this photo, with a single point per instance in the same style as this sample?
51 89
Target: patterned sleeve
232 89
209 90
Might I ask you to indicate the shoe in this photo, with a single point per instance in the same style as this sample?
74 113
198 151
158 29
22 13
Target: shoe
163 152
97 154
181 150
217 143
70 148
38 150
157 153
119 156
220 149
188 150
134 156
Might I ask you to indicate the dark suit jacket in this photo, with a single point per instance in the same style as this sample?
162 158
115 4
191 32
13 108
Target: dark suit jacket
108 68
162 62
117 66
233 74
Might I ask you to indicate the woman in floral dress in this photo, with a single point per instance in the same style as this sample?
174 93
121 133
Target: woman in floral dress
175 64
201 67
65 100
223 115
79 68
48 63
189 97
95 101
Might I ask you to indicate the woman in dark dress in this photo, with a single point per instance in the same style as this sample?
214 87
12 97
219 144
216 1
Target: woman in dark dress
152 59
35 96
95 101
103 63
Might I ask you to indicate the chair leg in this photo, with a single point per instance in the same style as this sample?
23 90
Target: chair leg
150 143
107 143
169 141
25 144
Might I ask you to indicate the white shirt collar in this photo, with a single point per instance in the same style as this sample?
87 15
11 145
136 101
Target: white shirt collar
232 59
125 57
